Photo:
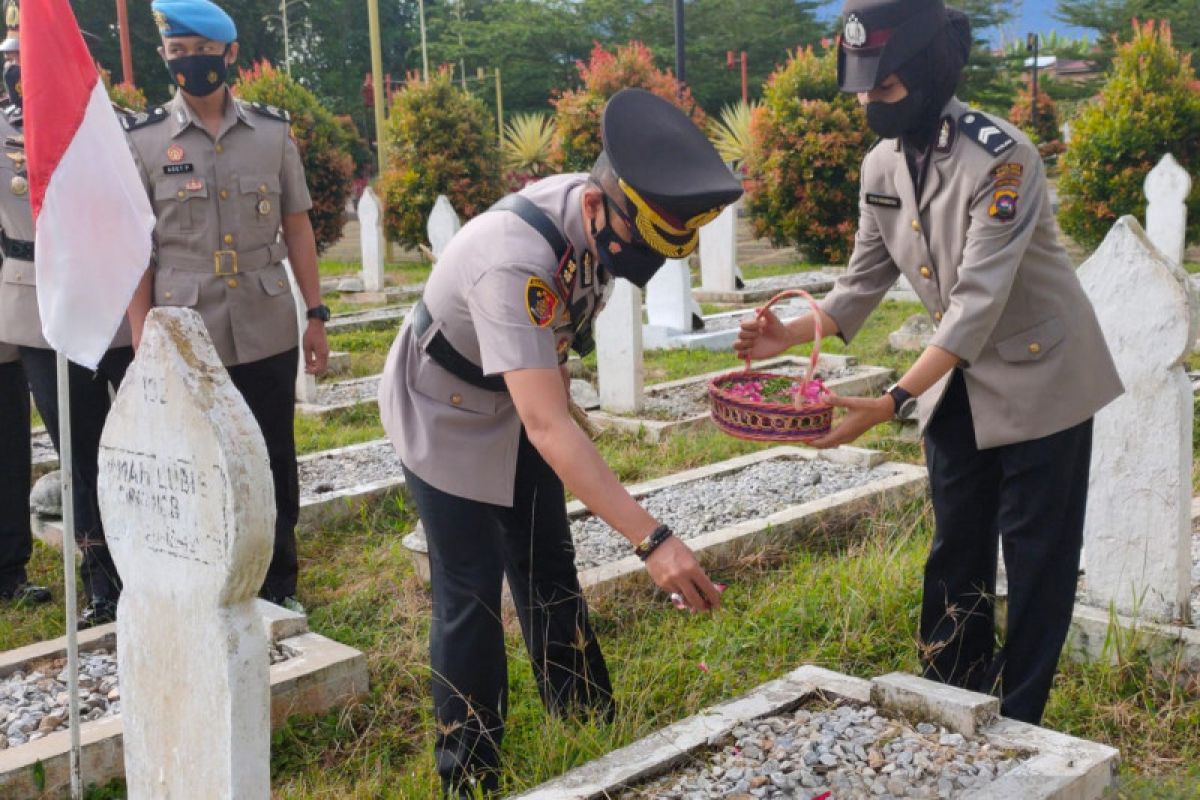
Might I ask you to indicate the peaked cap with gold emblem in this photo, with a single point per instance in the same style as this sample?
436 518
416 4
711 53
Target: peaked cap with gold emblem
669 171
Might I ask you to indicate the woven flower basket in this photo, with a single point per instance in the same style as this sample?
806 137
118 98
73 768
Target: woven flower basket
765 407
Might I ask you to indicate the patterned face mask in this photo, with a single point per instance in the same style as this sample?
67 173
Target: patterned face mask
199 75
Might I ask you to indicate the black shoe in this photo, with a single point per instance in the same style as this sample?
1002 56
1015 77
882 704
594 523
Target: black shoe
26 594
97 612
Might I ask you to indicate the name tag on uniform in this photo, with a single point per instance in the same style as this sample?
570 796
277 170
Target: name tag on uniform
177 169
884 200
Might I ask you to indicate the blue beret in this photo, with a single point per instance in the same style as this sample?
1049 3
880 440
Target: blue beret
193 18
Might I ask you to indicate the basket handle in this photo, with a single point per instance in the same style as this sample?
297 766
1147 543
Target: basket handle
816 349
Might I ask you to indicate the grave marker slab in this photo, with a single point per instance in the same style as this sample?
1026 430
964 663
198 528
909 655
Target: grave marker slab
188 505
718 252
370 222
1138 529
669 302
620 372
443 224
1167 187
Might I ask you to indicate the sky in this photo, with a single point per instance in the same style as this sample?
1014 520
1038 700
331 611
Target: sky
1034 16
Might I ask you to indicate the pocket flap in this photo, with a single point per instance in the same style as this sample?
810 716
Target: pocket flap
180 189
442 387
20 273
259 184
274 280
173 289
1032 343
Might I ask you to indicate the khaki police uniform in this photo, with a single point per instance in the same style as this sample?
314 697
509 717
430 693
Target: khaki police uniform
219 203
1007 434
490 504
20 324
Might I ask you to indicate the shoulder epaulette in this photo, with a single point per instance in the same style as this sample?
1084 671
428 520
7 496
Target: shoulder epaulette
16 142
985 133
131 122
270 111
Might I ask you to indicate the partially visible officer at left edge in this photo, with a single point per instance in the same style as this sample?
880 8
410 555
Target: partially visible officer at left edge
224 177
474 396
20 324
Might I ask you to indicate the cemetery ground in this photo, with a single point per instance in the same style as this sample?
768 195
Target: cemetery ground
848 607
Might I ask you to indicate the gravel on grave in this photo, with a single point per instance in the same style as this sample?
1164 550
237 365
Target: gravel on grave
358 390
330 473
698 507
34 704
796 280
846 751
42 448
1195 577
690 400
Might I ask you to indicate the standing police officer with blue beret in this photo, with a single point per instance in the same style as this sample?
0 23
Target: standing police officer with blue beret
955 201
225 179
474 396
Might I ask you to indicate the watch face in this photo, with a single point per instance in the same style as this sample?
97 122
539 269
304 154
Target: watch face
907 409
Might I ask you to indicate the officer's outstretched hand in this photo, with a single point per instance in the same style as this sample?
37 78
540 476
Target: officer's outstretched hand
674 568
316 348
862 414
762 337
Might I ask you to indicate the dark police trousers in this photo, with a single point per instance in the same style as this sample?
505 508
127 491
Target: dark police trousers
269 387
1032 495
472 546
90 401
16 543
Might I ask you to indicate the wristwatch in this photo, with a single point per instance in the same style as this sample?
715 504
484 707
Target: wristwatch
905 402
320 312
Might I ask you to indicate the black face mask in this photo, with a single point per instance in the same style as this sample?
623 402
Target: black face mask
199 76
893 120
635 263
12 83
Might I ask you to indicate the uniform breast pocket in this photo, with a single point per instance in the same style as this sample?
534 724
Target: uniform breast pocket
173 288
260 201
180 203
1032 344
274 280
17 272
440 386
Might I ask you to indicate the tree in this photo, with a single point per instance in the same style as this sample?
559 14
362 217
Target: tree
1044 129
1146 109
1113 20
988 79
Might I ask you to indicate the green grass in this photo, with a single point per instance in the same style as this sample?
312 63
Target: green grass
1192 266
770 270
398 272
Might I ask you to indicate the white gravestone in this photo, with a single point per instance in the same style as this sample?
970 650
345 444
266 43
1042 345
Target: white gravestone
188 505
370 226
306 385
1167 187
1138 529
620 373
443 224
669 301
718 252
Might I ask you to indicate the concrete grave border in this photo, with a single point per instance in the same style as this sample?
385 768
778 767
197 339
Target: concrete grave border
384 318
321 675
753 294
315 410
873 379
1062 767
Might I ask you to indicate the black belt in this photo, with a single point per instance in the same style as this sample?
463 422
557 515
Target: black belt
449 359
16 248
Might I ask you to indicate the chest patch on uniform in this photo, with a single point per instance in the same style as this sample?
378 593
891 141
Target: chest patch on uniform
983 132
885 200
195 185
175 154
588 270
1008 171
1004 205
945 139
540 301
568 271
178 169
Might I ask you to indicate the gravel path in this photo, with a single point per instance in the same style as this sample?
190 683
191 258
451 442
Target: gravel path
358 390
681 402
34 704
43 448
323 473
845 751
699 507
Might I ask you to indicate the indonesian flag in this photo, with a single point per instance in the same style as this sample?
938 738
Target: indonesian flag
92 219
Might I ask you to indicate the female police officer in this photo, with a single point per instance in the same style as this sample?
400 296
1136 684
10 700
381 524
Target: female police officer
956 202
473 396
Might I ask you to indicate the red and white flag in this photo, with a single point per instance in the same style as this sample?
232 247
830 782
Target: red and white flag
92 219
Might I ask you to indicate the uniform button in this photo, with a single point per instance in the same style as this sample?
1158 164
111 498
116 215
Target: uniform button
456 399
219 148
937 315
228 238
167 295
224 195
1035 348
181 194
262 188
282 283
926 272
916 225
231 283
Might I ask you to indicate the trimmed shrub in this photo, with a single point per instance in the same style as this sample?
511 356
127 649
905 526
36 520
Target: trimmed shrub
324 145
124 95
1145 110
807 144
577 111
440 140
1045 129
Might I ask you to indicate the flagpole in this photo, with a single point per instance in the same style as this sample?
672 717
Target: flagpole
66 461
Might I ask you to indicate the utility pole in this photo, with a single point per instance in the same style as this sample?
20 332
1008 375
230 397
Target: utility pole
123 29
680 77
287 44
1031 44
729 64
376 78
424 44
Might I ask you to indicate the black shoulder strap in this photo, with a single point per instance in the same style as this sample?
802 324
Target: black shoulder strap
535 218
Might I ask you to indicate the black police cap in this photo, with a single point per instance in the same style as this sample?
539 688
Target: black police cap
668 169
879 36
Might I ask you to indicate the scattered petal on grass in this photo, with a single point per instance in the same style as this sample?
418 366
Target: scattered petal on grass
703 666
